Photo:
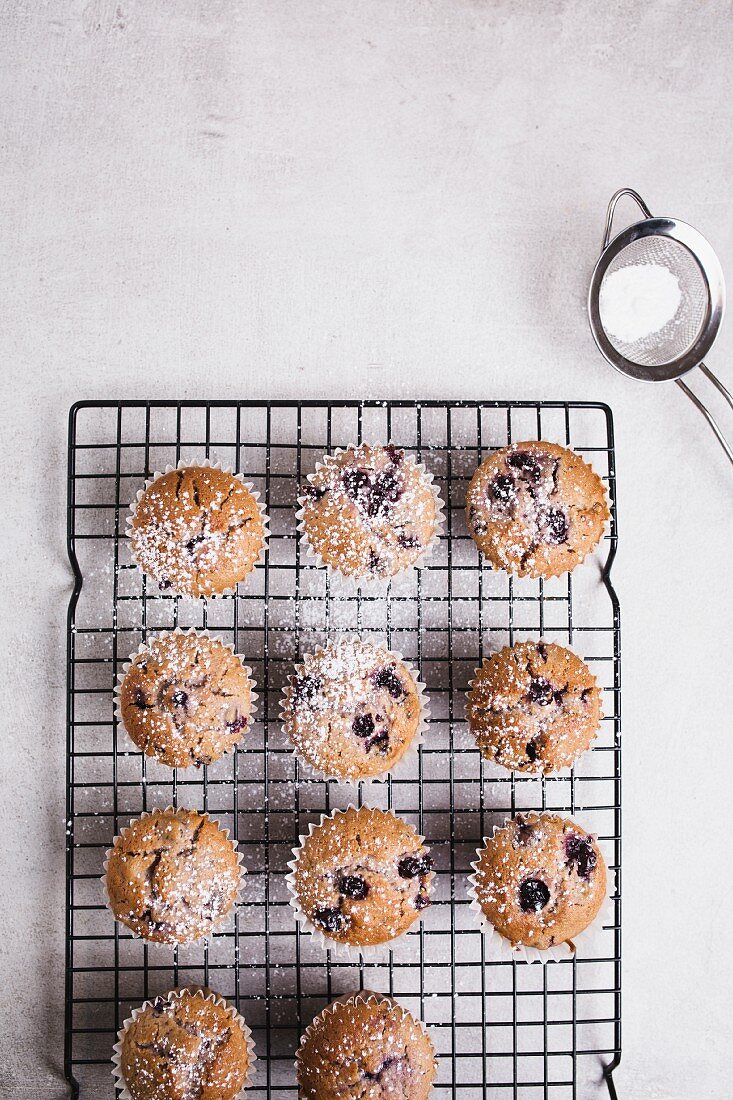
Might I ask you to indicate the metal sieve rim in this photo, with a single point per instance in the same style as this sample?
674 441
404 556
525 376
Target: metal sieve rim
712 274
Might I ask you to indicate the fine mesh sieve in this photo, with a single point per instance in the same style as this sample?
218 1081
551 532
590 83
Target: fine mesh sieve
682 342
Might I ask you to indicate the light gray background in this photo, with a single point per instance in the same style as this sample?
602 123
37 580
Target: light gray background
205 198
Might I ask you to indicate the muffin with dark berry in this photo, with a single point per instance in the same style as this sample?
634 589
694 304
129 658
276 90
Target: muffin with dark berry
369 512
539 881
185 1044
534 707
536 509
352 710
185 699
172 876
197 530
365 1046
361 878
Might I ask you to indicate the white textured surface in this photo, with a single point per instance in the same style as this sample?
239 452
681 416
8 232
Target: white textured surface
223 199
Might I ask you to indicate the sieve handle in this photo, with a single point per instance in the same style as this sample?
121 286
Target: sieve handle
612 210
705 412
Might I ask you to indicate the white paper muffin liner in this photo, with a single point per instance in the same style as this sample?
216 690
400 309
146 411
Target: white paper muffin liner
411 751
561 773
145 646
344 951
177 994
363 996
502 950
214 465
219 925
351 581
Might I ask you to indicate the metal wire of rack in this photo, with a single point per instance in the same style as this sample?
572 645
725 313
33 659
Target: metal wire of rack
501 1029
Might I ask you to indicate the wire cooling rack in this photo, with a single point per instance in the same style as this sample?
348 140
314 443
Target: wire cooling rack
501 1029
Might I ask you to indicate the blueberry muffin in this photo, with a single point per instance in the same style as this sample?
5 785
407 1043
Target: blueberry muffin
172 876
534 707
369 512
540 880
197 531
536 509
362 877
184 1045
352 710
185 699
365 1047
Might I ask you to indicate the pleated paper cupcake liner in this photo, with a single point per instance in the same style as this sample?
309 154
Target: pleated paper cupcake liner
216 926
145 647
561 773
211 464
364 996
343 951
410 752
351 582
177 994
586 943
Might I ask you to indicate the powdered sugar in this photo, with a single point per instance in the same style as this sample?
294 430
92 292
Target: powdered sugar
638 300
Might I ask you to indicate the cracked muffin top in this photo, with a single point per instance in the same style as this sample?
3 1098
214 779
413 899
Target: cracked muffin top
365 1047
534 707
369 512
172 876
540 880
184 1046
351 709
362 877
197 531
185 699
536 509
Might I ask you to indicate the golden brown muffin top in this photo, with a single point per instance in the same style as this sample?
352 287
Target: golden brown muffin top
185 699
363 876
369 511
197 530
172 876
534 707
184 1046
536 509
365 1046
351 709
540 880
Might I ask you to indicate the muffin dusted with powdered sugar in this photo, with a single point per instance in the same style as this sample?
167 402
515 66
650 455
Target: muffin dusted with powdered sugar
352 709
186 1044
369 512
185 699
365 1047
540 880
534 707
536 509
197 530
362 877
172 876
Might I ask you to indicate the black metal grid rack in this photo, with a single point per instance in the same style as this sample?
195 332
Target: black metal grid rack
502 1029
